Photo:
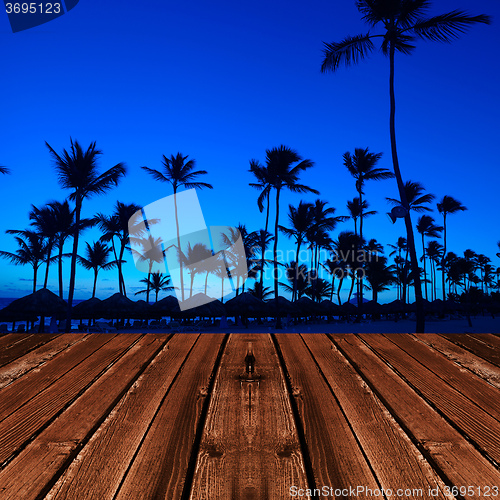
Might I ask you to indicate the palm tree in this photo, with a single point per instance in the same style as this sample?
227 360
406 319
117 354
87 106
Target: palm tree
261 293
379 275
32 250
298 275
179 173
426 227
318 290
403 22
285 166
77 170
195 255
434 251
300 220
358 210
157 282
416 197
96 258
4 170
345 252
262 241
398 248
117 225
448 205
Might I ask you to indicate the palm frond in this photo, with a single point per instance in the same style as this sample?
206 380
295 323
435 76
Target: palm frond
349 51
447 27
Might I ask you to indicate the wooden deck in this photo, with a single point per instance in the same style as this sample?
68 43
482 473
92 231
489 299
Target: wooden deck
159 416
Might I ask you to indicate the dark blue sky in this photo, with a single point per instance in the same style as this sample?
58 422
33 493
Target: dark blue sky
221 82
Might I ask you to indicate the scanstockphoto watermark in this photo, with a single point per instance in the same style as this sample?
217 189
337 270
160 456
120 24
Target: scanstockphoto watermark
361 491
26 15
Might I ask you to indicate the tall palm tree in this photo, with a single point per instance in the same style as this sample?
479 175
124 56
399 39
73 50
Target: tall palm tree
32 250
77 170
448 205
300 220
263 239
96 258
192 258
157 282
263 178
285 166
403 22
116 225
416 197
434 251
426 227
358 210
178 171
362 165
345 252
379 275
398 248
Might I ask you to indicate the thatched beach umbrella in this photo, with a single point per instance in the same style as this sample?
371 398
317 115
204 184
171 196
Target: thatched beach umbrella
348 309
88 309
372 307
117 307
246 304
203 306
329 308
141 310
306 307
285 306
41 303
168 306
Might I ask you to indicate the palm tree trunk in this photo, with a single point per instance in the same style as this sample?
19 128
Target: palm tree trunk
191 288
425 271
331 293
179 246
294 290
206 279
263 247
61 245
35 272
49 251
340 286
444 256
120 273
360 280
420 326
222 292
275 257
95 282
72 278
353 280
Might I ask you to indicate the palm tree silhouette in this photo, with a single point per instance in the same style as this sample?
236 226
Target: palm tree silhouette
4 170
77 170
379 275
434 251
416 197
398 248
426 227
358 210
285 166
345 249
96 258
403 22
179 172
300 220
448 205
193 260
32 250
116 225
157 282
263 239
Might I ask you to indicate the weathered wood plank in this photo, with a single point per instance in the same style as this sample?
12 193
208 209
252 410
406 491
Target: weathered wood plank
10 339
161 464
472 387
476 345
481 427
22 390
18 349
31 474
20 366
250 447
395 460
462 357
458 460
336 457
19 427
101 465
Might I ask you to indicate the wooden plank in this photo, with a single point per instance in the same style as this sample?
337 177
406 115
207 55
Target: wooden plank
250 446
396 461
20 427
473 421
101 465
336 457
492 340
22 390
476 346
18 349
458 460
159 470
20 366
483 395
10 339
31 474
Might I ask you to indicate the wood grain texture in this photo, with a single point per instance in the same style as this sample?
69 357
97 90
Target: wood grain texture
462 357
250 447
99 468
478 425
479 344
458 460
37 357
483 395
161 463
20 426
395 460
32 472
336 456
26 344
